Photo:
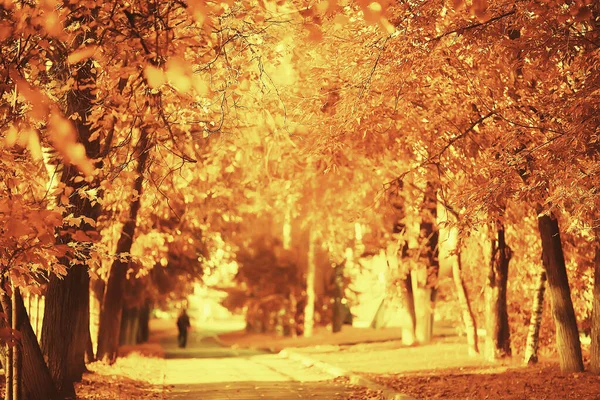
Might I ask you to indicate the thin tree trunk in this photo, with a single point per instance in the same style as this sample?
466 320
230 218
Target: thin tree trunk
38 332
497 340
112 304
567 334
144 323
410 317
423 311
97 287
17 353
134 320
129 326
9 356
595 345
292 316
465 306
309 309
287 226
89 350
395 253
426 280
29 303
535 322
123 329
8 373
37 381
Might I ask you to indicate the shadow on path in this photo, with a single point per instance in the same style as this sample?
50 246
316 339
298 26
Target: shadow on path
260 390
202 345
207 369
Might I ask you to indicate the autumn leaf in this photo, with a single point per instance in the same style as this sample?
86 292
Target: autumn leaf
583 14
17 228
34 145
457 4
480 9
81 54
314 32
154 76
80 236
59 269
39 101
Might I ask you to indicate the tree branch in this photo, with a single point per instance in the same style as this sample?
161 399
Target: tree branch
473 26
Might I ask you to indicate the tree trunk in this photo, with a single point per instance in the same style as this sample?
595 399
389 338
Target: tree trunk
38 331
287 226
426 279
97 287
89 351
338 309
309 308
535 323
123 329
9 356
395 253
17 350
8 373
423 312
134 321
465 305
595 345
37 381
63 337
292 316
144 323
112 304
129 326
567 334
497 340
408 306
66 317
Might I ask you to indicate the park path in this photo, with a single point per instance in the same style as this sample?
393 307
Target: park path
207 370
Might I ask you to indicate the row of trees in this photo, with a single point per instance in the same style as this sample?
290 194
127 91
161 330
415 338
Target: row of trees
488 108
92 160
143 138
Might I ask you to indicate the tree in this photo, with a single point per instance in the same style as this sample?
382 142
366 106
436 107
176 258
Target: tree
309 308
533 334
497 328
595 334
65 331
28 248
427 275
399 253
567 334
112 304
467 311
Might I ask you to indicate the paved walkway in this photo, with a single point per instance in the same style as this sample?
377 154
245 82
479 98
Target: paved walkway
206 370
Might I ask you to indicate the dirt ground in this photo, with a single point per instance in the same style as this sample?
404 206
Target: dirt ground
134 376
442 370
542 382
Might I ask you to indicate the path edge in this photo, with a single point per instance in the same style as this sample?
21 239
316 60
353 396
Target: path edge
355 379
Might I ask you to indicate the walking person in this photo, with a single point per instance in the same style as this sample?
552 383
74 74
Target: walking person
183 325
